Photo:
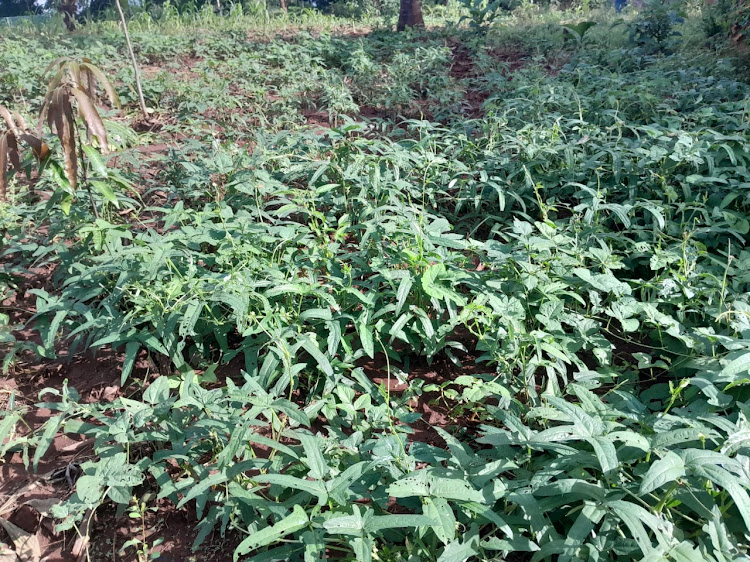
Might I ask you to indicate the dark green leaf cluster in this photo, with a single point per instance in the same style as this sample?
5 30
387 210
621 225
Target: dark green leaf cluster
564 279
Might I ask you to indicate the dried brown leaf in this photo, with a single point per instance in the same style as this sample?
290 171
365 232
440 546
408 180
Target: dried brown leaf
44 111
60 115
38 146
105 83
15 157
8 117
87 110
74 71
22 126
89 85
55 82
53 113
68 140
27 545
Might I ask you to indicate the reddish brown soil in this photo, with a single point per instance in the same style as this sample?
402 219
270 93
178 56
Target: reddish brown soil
96 378
318 119
463 70
435 409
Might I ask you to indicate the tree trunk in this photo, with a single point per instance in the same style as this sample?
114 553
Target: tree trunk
410 15
68 10
283 6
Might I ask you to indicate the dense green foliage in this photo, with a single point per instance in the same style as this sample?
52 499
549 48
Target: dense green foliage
574 254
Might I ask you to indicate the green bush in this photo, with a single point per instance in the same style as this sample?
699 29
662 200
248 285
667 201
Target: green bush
362 9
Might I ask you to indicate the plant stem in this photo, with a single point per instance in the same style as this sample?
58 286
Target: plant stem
85 175
136 70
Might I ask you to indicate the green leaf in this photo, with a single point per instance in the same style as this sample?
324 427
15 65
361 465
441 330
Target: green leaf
605 282
378 523
50 430
315 546
580 28
516 544
313 487
291 410
423 483
157 392
312 348
314 457
606 454
89 489
439 510
741 365
458 551
66 202
269 535
120 494
364 329
339 486
404 288
106 191
315 314
735 442
663 471
489 514
436 283
585 523
726 480
202 487
631 515
678 437
131 350
96 161
51 335
353 525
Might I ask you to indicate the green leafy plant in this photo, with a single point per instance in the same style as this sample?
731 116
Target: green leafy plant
577 31
417 333
482 13
655 25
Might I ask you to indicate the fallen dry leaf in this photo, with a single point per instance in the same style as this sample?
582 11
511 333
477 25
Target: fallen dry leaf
27 545
42 505
7 554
